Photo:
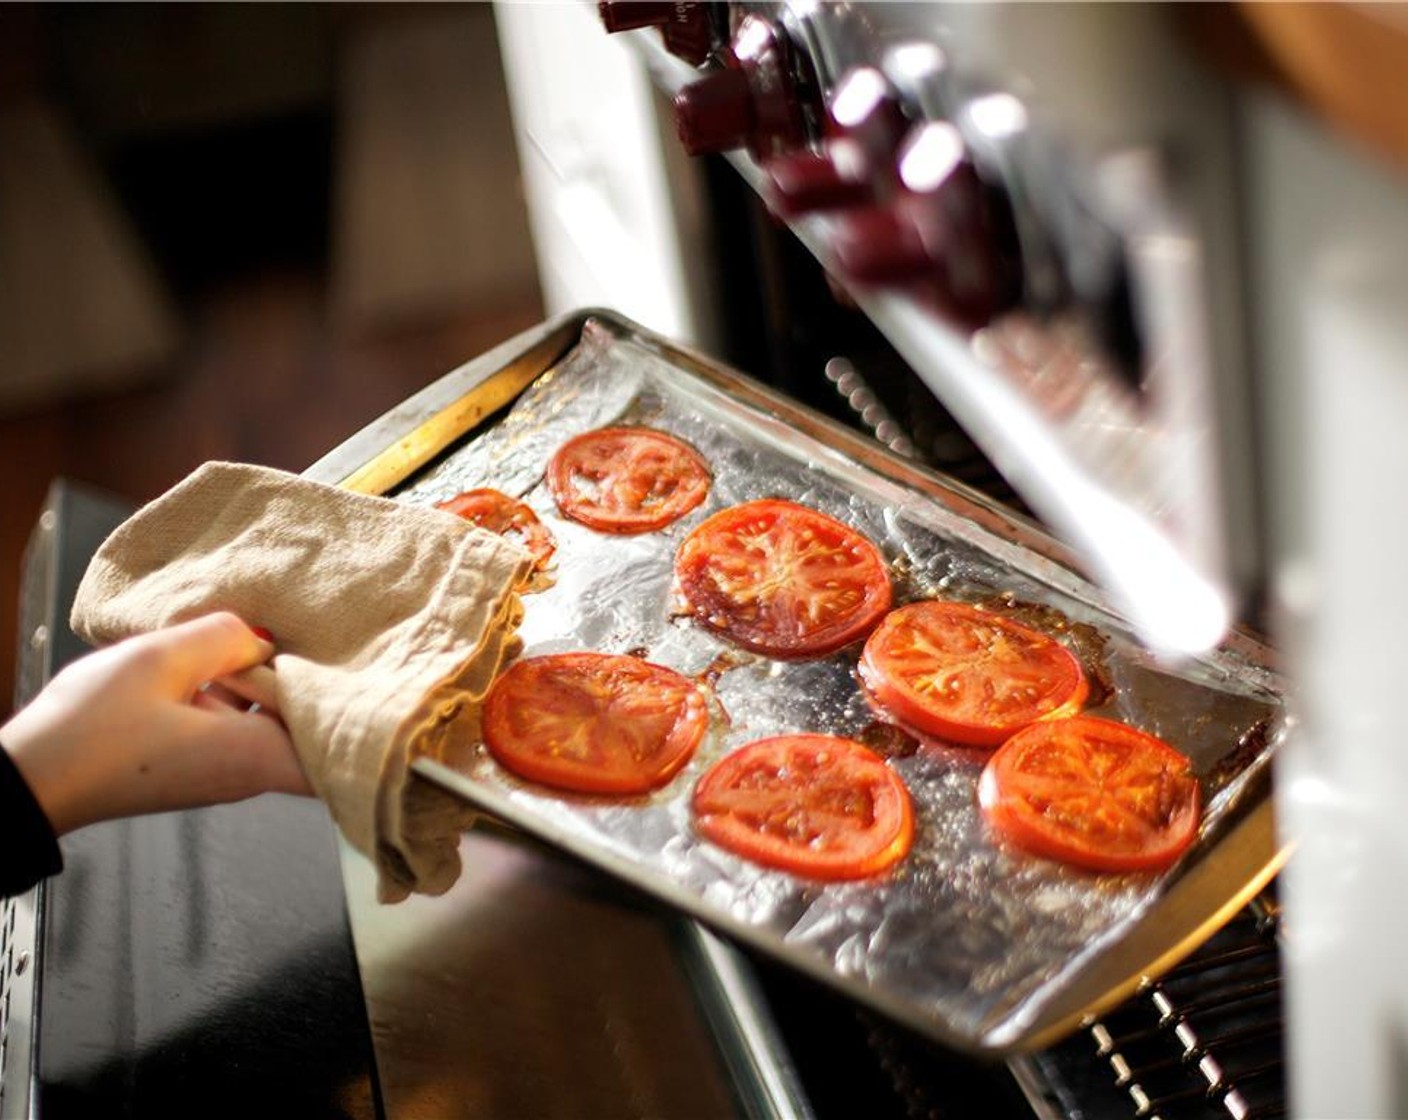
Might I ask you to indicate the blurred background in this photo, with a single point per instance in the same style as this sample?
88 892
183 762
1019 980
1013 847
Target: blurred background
239 232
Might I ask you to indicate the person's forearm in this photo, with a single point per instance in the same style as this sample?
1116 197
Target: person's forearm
53 784
139 727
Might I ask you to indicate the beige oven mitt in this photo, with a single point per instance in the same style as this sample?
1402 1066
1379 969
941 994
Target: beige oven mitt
390 622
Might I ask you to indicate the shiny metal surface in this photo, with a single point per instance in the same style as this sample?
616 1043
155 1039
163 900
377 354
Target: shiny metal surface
19 973
749 1039
1080 943
534 987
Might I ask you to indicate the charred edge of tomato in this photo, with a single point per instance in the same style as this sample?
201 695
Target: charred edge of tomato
615 527
702 611
776 653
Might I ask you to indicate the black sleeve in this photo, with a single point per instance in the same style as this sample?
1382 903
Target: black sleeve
28 848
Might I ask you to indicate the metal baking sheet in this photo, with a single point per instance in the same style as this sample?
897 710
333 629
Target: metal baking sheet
977 945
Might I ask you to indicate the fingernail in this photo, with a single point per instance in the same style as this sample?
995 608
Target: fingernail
263 632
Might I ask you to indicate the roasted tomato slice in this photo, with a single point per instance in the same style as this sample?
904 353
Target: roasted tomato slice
782 579
498 513
594 722
627 480
1094 793
814 805
966 675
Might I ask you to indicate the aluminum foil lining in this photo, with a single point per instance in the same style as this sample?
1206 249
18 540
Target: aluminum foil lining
965 936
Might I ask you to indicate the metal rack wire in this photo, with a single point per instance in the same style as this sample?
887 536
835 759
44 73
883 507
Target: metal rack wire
1205 1041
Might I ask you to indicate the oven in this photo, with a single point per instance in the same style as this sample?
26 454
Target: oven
538 986
1128 268
1158 299
1201 1039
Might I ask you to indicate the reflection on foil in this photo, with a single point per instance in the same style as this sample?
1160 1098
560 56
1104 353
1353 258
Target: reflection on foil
965 933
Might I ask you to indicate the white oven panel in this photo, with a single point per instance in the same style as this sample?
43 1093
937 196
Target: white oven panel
611 221
1330 254
1253 443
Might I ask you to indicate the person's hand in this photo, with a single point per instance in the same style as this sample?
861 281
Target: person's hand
138 727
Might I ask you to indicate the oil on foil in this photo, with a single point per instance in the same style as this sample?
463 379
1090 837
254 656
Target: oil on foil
965 937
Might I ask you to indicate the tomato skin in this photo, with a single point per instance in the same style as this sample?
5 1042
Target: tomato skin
781 579
1094 793
627 480
818 806
594 722
966 675
496 512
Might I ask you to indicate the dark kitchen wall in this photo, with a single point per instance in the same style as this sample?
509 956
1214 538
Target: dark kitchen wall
238 232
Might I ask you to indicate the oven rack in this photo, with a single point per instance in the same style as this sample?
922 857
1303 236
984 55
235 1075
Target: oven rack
1203 1042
